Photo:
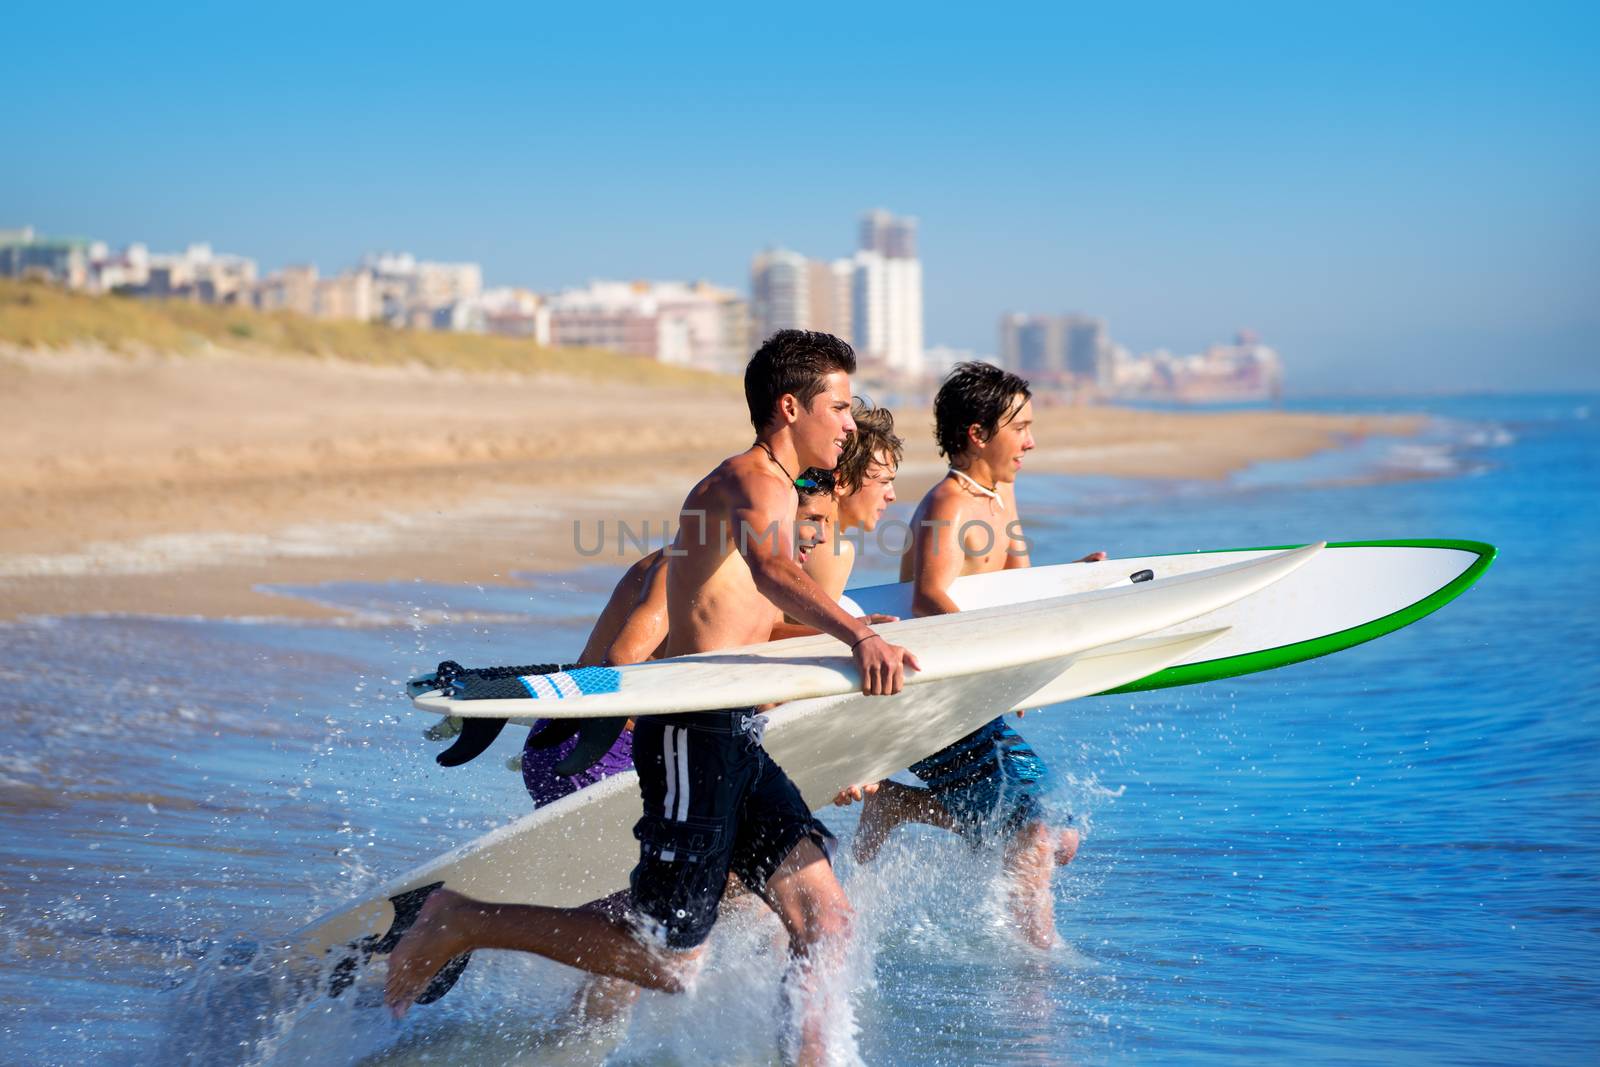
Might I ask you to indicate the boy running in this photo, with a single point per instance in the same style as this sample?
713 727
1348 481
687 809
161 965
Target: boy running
714 801
985 785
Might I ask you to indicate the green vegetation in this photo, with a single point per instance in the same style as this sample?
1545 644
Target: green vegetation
40 316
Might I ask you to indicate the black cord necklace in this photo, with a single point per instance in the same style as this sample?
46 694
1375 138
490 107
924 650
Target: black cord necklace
763 446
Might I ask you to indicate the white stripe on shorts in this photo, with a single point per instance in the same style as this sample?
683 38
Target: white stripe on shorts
671 760
683 774
668 742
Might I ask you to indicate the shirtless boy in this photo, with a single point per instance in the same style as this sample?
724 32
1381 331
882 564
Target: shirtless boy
713 799
632 628
984 786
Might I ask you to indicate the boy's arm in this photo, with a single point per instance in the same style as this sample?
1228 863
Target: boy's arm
1017 555
1016 547
620 605
939 556
781 630
646 625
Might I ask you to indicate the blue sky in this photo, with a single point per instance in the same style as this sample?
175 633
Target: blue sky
1396 195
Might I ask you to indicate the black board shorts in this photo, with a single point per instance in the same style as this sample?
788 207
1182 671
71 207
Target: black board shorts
714 802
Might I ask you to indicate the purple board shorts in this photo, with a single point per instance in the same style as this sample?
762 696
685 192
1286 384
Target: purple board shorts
545 785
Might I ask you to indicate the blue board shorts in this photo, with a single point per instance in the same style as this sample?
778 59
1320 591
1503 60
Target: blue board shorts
714 802
989 781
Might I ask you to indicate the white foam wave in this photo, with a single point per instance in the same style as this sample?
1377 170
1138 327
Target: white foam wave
1437 459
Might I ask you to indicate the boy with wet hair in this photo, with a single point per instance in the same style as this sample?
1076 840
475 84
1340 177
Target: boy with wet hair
984 786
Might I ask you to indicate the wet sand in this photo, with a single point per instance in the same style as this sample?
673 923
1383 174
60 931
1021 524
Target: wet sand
181 486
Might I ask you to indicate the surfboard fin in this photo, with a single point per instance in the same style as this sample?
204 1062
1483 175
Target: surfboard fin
595 738
476 735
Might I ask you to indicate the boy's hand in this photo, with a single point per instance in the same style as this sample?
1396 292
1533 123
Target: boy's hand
874 619
1093 557
882 665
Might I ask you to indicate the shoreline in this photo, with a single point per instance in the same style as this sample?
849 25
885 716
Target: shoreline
201 480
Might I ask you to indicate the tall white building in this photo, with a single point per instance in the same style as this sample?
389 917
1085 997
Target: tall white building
887 294
888 312
831 291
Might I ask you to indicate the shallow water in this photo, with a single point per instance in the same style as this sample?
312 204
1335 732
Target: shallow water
1386 855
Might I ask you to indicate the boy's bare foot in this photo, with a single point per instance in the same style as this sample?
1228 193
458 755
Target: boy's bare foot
434 940
1067 846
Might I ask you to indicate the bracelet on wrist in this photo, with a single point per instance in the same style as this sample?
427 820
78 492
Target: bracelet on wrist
859 640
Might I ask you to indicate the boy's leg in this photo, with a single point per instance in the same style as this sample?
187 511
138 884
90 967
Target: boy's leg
599 999
600 942
690 780
949 773
808 899
895 803
1030 862
1033 846
984 786
783 853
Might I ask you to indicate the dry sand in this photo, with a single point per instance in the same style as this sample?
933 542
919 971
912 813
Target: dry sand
178 486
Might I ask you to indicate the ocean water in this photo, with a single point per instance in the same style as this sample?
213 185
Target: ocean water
1391 855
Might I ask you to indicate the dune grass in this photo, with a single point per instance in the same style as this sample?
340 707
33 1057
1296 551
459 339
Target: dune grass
36 315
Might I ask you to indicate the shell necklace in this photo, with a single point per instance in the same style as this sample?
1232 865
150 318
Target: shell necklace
979 488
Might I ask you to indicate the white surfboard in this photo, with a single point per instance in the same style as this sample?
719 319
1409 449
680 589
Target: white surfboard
1349 593
982 640
581 847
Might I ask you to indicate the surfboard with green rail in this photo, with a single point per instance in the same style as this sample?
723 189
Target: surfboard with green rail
1350 593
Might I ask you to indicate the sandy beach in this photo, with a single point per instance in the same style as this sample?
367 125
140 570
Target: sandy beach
179 485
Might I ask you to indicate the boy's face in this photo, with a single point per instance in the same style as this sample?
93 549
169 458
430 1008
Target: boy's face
1012 440
821 427
872 497
813 524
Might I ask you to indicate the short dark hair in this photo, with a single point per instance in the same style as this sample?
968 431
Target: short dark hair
975 393
792 361
874 436
814 481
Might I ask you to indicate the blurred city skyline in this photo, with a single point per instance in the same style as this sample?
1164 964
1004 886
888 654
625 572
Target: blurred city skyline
1395 199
